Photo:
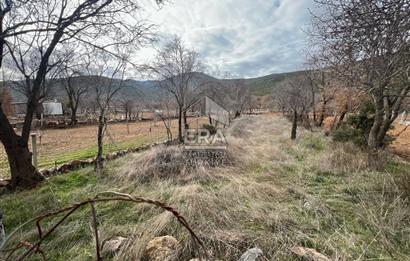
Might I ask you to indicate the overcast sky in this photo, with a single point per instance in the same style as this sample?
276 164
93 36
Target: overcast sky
248 38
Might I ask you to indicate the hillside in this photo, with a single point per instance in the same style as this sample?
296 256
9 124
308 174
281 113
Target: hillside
148 89
131 88
266 85
273 193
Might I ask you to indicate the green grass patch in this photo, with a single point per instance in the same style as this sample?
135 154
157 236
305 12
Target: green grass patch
313 142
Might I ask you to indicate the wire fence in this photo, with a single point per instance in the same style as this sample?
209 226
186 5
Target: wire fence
58 146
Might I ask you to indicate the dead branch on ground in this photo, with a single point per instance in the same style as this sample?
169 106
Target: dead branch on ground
108 196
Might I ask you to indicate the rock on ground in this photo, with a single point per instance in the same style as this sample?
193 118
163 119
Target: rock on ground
251 255
165 248
309 253
112 246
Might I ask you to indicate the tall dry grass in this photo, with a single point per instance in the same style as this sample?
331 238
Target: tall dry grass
274 193
344 157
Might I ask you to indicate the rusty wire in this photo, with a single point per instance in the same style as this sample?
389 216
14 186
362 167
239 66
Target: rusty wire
103 197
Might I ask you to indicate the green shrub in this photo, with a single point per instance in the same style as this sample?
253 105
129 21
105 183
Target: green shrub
210 128
357 126
346 133
314 142
364 118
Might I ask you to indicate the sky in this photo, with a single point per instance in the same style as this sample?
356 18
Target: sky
247 38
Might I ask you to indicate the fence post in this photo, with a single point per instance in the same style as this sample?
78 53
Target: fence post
150 133
128 127
34 148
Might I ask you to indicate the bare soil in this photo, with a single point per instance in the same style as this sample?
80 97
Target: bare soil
401 144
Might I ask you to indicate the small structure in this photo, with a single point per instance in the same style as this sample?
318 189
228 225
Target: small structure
48 108
52 108
19 108
216 112
205 106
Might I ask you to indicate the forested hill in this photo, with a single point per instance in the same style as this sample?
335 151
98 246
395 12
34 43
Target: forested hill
259 86
265 85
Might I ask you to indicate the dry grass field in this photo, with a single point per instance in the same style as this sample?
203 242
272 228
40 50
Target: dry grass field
62 145
273 193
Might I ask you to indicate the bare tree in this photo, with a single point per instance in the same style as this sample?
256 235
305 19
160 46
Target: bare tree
175 67
128 106
346 100
231 91
108 79
74 83
22 63
130 100
239 96
165 111
75 87
38 28
320 80
367 44
295 98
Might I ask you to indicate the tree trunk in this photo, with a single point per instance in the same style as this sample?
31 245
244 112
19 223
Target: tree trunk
294 125
342 117
308 121
23 173
126 113
186 126
381 135
374 137
74 116
314 106
181 139
322 114
73 105
100 142
167 125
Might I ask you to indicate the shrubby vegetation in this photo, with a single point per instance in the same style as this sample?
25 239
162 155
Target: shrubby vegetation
356 128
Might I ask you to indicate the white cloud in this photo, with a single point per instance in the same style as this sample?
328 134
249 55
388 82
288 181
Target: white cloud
245 37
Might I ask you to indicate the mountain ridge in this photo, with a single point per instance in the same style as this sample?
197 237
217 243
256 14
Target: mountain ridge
148 89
